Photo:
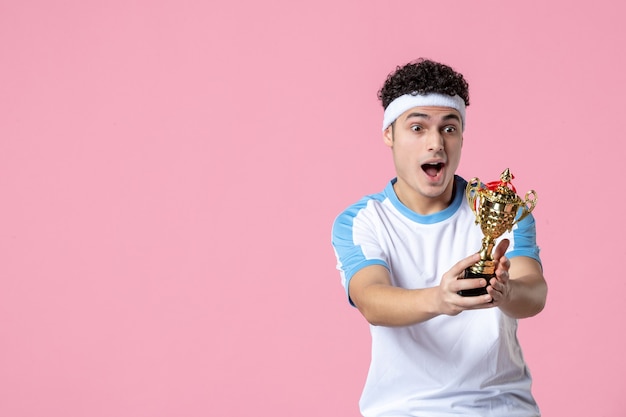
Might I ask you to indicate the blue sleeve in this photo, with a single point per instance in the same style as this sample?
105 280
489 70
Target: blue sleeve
525 240
350 255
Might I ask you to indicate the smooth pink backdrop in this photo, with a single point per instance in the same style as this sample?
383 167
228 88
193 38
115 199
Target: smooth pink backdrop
169 172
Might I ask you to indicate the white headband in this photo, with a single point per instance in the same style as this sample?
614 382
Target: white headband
408 101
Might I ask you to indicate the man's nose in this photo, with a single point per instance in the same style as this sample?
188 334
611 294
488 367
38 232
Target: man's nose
435 142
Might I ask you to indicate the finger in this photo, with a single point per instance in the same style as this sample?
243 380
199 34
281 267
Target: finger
495 285
494 293
502 273
501 249
505 263
502 270
469 284
459 268
478 302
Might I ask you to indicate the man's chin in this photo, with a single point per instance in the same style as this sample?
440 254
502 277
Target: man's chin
435 188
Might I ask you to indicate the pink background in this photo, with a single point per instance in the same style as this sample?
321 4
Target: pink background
169 172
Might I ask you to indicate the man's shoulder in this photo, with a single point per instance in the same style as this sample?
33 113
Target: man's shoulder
365 201
365 207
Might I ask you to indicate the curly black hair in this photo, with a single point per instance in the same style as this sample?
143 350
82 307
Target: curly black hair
423 76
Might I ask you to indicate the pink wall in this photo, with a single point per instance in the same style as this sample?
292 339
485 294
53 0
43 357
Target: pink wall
169 172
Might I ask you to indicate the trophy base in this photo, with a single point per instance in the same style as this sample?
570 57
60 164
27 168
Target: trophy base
476 291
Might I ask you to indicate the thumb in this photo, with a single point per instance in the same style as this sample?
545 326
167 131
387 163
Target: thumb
459 268
501 249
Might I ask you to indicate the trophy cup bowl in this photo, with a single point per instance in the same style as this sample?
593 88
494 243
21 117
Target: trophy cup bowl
497 209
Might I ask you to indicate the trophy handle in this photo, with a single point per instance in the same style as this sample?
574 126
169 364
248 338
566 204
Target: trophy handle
530 200
471 192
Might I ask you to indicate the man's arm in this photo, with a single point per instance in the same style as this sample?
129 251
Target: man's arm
522 289
383 304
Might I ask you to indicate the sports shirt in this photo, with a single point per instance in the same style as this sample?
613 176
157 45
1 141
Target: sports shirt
470 364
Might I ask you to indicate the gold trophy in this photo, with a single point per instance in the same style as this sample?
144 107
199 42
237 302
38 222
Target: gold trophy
496 206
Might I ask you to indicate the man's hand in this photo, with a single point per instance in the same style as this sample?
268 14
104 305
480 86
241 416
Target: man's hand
499 289
453 281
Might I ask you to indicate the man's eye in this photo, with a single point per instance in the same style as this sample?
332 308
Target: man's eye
416 128
449 129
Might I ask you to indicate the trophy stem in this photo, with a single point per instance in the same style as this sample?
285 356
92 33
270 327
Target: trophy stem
485 268
486 264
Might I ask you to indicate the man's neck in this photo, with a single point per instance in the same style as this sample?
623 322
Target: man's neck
422 204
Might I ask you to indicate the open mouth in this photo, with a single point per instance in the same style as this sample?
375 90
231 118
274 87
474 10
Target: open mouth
432 170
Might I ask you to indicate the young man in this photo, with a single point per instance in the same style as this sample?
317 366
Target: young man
402 253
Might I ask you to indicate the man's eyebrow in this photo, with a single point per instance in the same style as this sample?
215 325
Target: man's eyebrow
453 116
422 115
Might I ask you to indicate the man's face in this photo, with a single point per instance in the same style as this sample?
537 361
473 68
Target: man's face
426 146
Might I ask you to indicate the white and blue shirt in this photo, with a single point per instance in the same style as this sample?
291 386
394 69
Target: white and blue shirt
469 364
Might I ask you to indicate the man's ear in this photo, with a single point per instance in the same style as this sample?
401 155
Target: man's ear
388 135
